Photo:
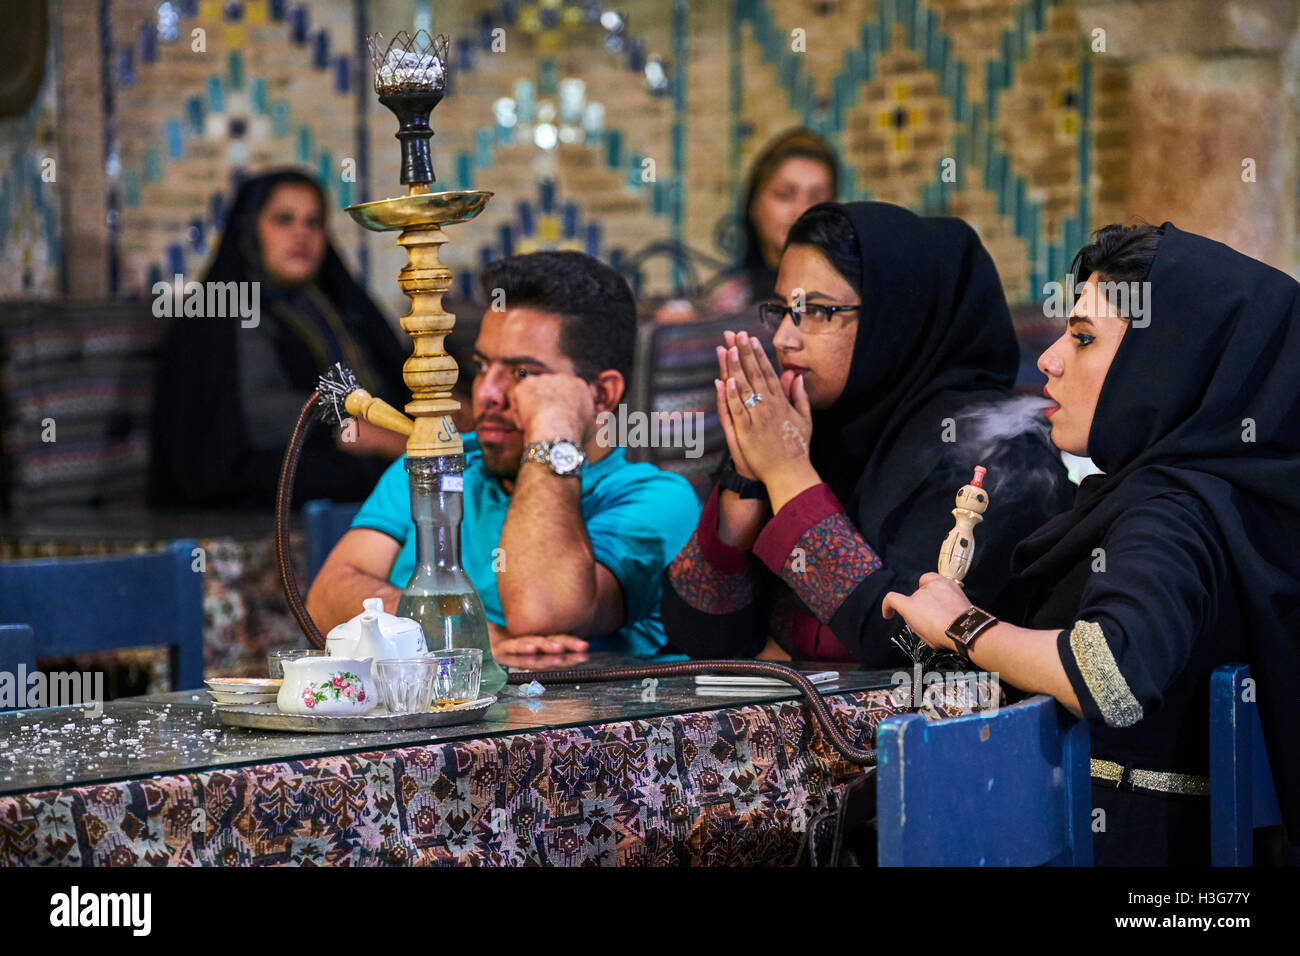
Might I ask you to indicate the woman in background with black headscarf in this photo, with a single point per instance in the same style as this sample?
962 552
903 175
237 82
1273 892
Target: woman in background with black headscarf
1182 556
227 395
841 485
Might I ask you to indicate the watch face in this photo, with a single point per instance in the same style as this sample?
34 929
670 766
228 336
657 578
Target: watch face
565 457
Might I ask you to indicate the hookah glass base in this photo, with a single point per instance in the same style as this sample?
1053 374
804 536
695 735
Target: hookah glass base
440 595
452 620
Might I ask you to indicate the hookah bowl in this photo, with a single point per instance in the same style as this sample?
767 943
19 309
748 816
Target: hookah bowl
411 79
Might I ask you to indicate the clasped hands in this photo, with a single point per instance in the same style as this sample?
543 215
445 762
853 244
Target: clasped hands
768 437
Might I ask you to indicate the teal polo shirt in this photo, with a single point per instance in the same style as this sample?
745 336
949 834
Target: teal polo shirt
637 519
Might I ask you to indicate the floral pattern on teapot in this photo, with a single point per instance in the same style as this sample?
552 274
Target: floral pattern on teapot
345 686
327 686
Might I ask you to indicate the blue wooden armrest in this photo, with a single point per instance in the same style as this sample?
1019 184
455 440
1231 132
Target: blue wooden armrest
1010 788
1242 795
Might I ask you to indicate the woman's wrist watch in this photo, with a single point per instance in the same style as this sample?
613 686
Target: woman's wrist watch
732 480
969 625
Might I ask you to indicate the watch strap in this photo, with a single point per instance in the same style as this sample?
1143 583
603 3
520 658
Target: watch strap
969 625
732 480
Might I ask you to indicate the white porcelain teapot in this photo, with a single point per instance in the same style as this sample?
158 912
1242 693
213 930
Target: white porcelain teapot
376 634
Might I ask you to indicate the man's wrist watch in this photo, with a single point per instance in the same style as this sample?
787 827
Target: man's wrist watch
732 480
563 456
971 624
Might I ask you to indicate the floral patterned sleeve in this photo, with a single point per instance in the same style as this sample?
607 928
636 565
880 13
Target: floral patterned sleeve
708 600
814 548
709 574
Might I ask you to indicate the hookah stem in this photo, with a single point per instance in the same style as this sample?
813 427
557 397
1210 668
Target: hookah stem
816 703
283 494
289 579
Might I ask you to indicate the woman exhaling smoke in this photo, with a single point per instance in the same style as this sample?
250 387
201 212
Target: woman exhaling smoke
1182 555
841 481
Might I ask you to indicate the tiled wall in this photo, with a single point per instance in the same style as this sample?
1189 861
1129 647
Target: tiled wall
30 198
1046 136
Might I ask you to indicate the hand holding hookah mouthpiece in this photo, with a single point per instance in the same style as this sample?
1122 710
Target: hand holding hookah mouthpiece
958 550
955 557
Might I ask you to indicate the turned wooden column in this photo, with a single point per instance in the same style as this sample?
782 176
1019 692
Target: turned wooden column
430 373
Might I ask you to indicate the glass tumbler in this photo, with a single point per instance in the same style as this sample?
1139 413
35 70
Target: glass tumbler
406 685
275 659
457 674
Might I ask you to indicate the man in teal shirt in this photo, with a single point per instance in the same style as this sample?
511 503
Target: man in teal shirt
564 539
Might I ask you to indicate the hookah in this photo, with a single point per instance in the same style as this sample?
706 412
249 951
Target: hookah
411 79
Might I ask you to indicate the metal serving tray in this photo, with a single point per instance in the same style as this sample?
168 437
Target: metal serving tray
268 717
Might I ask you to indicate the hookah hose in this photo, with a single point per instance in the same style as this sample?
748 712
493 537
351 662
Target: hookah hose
821 711
283 492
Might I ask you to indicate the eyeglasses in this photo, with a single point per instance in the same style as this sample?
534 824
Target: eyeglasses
810 318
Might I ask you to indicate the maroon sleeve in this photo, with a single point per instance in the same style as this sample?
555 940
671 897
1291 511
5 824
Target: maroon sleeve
813 547
709 574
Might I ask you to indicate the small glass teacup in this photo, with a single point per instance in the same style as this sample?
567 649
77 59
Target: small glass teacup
456 676
406 684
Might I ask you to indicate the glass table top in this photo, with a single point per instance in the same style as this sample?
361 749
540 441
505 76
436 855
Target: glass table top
179 732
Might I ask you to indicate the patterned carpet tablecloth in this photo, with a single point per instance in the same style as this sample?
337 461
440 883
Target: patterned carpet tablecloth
742 785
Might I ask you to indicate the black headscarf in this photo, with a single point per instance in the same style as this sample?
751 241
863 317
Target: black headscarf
202 455
1222 348
934 339
367 336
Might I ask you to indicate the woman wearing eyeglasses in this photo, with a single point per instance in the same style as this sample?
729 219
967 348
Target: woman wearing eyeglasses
844 467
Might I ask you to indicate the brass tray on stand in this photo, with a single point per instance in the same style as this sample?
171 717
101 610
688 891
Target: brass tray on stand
268 717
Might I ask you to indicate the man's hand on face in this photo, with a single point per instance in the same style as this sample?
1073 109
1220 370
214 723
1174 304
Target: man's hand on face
554 405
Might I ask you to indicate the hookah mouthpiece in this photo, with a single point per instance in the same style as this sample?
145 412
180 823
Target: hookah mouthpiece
955 557
958 549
